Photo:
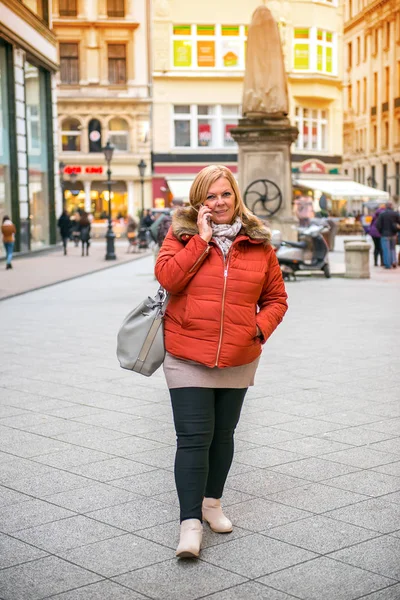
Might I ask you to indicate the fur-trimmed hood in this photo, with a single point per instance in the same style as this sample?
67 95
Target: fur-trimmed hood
184 223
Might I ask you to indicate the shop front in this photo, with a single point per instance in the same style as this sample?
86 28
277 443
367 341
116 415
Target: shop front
85 188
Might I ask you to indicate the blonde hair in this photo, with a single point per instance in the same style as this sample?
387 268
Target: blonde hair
202 183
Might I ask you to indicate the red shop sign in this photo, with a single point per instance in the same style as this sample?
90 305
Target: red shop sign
72 169
94 170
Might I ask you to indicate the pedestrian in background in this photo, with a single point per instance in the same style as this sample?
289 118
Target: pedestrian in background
8 230
227 296
84 232
75 230
376 236
148 219
388 225
64 223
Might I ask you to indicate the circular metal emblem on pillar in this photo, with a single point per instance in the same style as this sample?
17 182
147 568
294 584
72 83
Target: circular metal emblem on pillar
263 197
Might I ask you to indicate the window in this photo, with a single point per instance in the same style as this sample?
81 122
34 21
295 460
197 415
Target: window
302 49
358 50
115 8
349 55
118 132
387 35
37 88
315 50
204 125
36 6
68 8
375 98
387 84
117 63
71 135
374 137
358 97
313 129
365 47
384 177
365 94
94 132
350 96
209 46
397 173
5 134
385 135
69 63
398 78
376 41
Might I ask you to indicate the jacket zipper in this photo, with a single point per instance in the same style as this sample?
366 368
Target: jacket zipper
206 251
226 266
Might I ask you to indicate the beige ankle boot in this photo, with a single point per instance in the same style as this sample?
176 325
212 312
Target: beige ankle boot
190 540
212 513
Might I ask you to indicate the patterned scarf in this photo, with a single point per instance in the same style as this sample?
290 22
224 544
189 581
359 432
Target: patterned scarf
225 233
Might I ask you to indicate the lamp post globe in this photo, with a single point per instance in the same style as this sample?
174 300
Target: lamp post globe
108 152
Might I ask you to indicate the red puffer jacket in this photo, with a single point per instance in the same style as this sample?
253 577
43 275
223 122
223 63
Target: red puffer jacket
216 305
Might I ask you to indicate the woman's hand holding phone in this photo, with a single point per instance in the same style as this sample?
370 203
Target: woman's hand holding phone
204 223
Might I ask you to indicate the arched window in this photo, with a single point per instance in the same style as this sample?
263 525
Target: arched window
118 131
94 131
71 135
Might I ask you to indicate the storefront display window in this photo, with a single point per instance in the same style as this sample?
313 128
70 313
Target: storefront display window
36 125
99 200
205 126
209 46
71 135
5 195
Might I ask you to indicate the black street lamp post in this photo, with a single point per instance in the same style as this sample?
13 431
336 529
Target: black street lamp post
142 170
108 151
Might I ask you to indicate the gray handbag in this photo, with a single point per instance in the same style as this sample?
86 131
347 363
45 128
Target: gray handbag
140 343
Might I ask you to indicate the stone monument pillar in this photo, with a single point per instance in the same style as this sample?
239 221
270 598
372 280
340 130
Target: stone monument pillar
264 134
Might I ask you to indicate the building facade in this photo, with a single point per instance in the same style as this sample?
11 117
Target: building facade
28 62
103 95
372 94
198 67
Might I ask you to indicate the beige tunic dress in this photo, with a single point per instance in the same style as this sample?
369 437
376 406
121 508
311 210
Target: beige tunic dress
184 373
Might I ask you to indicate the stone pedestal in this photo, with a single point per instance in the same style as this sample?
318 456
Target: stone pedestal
357 260
264 153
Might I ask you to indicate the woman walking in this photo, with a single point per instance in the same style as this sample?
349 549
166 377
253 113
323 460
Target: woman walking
84 231
65 225
8 230
376 237
227 296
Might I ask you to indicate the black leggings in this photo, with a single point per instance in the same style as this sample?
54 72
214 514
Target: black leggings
205 421
377 250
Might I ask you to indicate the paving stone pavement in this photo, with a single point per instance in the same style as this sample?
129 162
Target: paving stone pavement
88 504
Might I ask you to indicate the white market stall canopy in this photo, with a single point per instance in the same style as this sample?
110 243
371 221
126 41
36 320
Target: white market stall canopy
340 189
180 188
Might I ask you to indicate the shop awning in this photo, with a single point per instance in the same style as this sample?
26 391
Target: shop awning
180 188
339 189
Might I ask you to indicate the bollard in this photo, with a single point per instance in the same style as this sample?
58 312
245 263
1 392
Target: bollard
357 260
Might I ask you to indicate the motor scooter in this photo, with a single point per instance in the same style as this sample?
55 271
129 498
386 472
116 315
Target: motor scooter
310 253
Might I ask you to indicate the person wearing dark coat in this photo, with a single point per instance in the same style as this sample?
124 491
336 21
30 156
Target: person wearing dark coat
388 225
84 228
376 236
64 223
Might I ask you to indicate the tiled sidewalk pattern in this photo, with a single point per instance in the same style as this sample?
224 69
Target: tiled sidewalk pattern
88 504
